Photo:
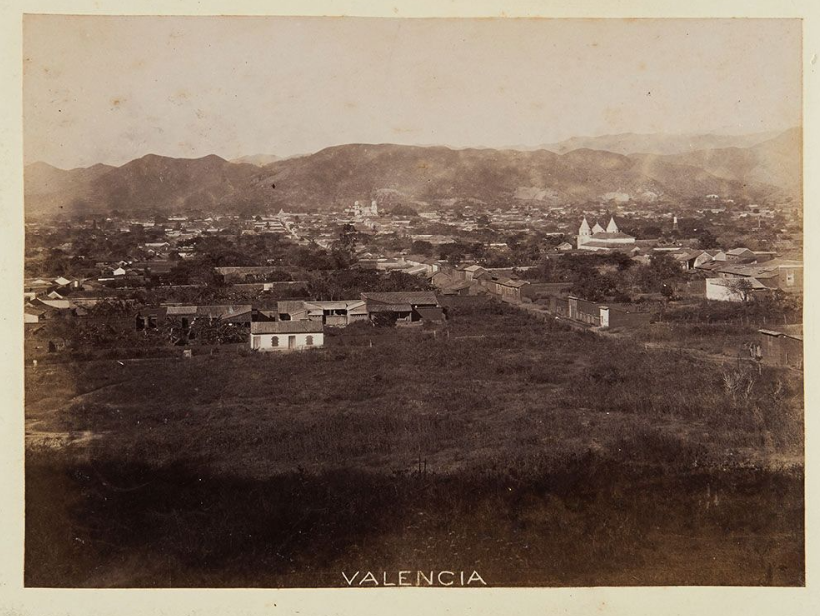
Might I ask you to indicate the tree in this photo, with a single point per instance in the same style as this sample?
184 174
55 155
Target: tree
421 247
592 286
707 240
385 319
344 250
742 287
650 231
622 260
665 267
454 252
404 210
556 240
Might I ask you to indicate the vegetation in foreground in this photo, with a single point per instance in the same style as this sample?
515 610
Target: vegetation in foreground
535 454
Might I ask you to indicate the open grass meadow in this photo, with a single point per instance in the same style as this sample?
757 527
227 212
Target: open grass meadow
527 451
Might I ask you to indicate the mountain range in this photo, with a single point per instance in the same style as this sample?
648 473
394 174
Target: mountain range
653 143
334 176
260 160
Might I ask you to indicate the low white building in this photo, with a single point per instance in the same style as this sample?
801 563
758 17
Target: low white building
733 289
286 335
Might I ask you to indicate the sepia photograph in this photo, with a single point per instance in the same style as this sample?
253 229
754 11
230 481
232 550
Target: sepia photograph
375 302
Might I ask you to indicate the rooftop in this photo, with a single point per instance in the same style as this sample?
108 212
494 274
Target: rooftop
286 327
611 236
390 308
424 298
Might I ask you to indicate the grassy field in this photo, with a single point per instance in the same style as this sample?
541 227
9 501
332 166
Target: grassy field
530 452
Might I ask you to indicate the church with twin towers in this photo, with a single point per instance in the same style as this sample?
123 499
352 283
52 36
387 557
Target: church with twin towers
597 238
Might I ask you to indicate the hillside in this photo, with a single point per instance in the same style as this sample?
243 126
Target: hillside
772 167
49 189
775 163
338 175
148 183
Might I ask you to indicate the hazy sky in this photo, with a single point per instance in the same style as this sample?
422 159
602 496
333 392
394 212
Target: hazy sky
110 89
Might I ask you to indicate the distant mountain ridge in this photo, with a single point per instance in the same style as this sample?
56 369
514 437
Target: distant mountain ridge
260 160
341 174
776 162
651 143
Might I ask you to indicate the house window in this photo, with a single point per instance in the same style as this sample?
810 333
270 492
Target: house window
309 341
274 341
790 279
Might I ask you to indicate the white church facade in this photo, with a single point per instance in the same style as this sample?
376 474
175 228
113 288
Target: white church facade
597 238
360 210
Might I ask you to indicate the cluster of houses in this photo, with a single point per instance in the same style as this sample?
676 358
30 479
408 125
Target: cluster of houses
298 324
301 324
42 298
474 280
731 275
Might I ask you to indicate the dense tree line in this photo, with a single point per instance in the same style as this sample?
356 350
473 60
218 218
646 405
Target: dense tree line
609 277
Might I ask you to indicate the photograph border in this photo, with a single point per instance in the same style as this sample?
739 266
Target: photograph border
15 599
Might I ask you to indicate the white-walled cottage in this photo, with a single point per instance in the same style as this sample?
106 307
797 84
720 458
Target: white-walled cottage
286 335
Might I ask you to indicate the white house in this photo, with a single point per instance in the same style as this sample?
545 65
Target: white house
286 335
732 289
